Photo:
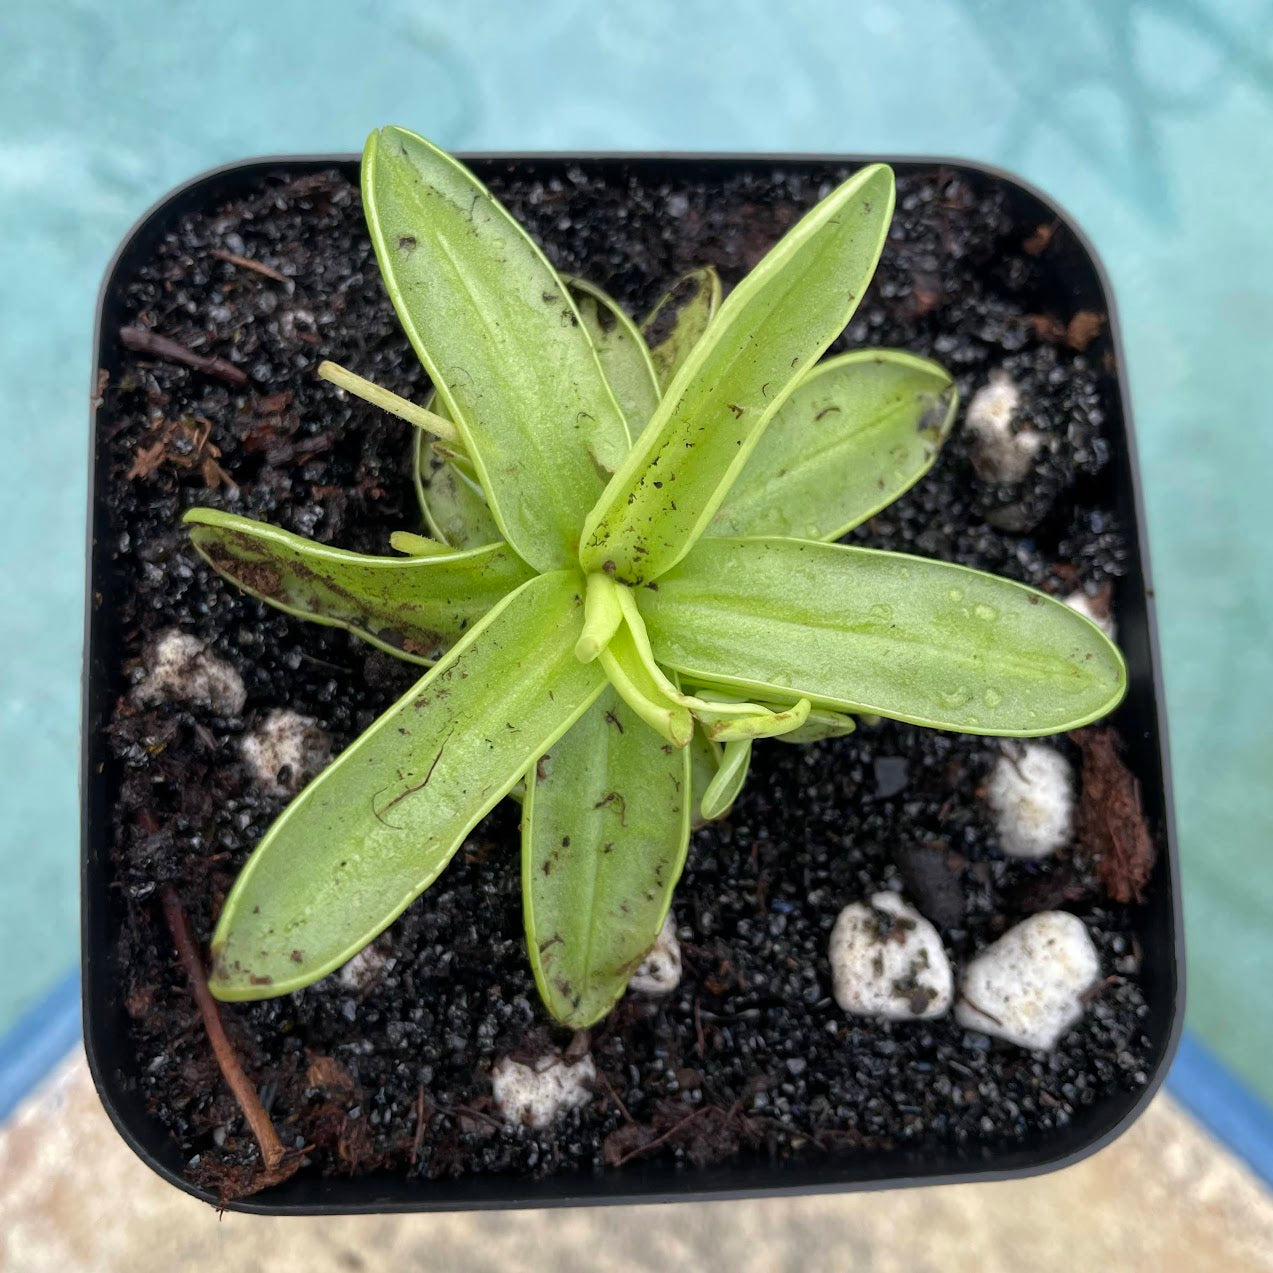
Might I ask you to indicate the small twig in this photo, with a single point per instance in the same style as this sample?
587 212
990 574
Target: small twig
420 1124
272 1151
615 1097
1094 991
141 340
474 1113
659 1140
976 1007
248 264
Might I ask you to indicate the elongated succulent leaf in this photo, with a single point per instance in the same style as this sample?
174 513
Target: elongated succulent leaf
501 339
858 630
414 607
378 826
720 794
453 507
677 323
762 723
412 545
771 329
605 828
857 431
705 761
648 695
621 351
821 723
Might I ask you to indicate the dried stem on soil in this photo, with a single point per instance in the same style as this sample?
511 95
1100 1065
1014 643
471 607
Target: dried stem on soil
141 340
272 1151
245 262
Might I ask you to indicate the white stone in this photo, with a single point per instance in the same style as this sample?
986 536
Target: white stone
1029 986
1031 792
660 971
1082 603
181 668
537 1095
999 454
364 968
887 961
284 751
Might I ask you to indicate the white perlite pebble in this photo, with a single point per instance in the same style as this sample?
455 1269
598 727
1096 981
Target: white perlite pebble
887 961
537 1095
999 454
660 971
180 667
364 968
1031 791
1028 987
285 750
1081 602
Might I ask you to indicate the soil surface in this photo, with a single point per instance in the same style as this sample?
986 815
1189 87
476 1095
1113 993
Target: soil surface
750 1056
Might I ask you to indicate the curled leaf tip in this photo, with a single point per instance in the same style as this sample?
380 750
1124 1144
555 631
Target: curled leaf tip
724 788
602 615
762 723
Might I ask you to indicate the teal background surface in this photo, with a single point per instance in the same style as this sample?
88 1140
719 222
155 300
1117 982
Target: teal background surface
1151 122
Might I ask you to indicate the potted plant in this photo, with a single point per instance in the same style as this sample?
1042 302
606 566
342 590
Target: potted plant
894 954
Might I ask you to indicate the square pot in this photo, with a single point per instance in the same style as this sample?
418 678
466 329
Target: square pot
1075 280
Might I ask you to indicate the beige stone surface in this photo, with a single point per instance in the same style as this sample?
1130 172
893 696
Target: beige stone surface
1163 1198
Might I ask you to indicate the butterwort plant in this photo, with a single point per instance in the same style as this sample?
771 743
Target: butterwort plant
631 574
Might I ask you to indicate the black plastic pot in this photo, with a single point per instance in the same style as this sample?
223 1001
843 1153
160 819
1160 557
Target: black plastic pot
1079 282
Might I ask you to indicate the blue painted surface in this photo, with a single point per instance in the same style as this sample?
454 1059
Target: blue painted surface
1152 122
1223 1104
38 1041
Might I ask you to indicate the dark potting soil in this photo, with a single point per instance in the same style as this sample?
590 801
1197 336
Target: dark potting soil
750 1055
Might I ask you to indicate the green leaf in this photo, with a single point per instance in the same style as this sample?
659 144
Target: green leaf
501 339
605 828
602 615
412 545
761 722
413 607
857 431
677 323
645 693
705 761
726 787
454 508
621 351
821 724
862 631
771 329
378 826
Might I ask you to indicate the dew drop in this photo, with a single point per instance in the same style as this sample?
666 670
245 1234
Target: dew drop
983 611
992 698
881 611
956 594
954 698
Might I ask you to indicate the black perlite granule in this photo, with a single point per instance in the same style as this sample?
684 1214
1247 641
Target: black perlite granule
750 1055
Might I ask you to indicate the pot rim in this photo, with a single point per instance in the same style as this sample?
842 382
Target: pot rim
565 1191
